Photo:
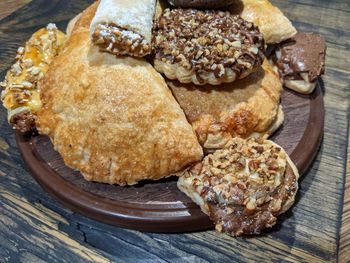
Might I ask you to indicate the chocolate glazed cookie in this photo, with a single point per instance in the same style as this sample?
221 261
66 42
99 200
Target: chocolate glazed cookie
201 3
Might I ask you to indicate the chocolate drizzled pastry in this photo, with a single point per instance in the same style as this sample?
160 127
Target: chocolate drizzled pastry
24 121
201 3
244 187
206 47
300 60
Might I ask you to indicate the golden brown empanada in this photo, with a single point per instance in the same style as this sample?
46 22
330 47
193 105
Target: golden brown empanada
114 119
273 24
245 108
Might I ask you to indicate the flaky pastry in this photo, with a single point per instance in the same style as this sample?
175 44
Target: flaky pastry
273 24
206 47
124 27
114 119
249 107
244 187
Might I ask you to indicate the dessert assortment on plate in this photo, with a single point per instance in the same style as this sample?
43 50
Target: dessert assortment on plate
143 90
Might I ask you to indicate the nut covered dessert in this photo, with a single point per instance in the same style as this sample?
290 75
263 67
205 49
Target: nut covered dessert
244 187
20 95
210 4
206 47
119 41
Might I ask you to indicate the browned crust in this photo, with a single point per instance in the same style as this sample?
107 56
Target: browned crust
244 187
253 114
243 222
209 4
92 128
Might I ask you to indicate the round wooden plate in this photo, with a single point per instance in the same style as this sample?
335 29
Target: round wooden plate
159 206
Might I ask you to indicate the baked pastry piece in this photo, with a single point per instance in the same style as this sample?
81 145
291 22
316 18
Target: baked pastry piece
206 47
245 108
114 119
20 94
124 27
300 60
209 4
71 24
273 24
244 187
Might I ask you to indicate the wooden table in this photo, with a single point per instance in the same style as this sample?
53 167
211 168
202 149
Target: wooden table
34 227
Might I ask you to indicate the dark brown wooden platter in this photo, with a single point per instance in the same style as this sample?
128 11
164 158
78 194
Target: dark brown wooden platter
160 206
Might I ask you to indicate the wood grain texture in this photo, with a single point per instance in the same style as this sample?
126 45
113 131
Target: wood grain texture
35 228
8 6
344 245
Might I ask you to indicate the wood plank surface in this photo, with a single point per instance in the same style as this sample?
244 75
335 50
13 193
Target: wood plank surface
344 245
34 227
9 6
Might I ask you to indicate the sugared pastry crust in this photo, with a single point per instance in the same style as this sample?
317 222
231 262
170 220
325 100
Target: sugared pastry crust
199 4
244 187
206 47
20 95
245 108
300 60
272 23
113 118
124 27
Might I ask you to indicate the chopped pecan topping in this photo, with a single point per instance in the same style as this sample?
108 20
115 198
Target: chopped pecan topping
207 41
244 185
119 41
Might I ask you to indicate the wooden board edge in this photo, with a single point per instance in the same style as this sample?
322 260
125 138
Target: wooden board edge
344 239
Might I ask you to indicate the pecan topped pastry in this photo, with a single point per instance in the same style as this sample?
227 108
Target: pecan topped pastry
113 118
20 94
244 187
206 47
201 3
272 23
